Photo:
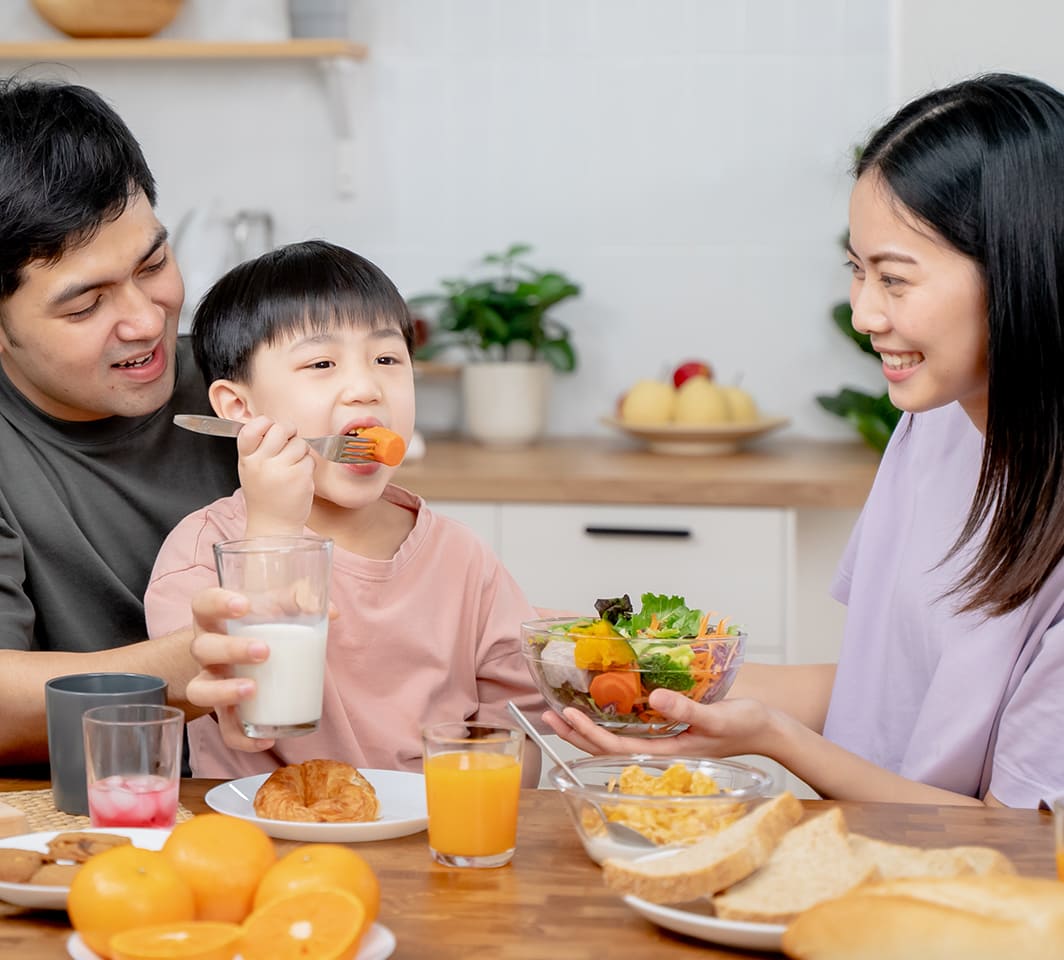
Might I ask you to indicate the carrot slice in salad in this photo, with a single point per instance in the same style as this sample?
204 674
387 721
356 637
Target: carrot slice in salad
388 447
621 688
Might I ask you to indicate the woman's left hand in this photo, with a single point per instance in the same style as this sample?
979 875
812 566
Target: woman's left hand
723 729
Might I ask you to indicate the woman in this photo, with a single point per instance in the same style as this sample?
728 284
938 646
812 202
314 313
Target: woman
947 686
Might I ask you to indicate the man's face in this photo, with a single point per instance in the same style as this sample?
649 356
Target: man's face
93 335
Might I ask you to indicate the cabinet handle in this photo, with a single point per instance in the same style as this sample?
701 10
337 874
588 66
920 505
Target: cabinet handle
676 533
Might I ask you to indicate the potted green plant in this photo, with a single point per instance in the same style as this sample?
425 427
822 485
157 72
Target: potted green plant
501 322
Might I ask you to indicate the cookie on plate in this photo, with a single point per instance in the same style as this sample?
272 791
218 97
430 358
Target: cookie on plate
79 847
17 866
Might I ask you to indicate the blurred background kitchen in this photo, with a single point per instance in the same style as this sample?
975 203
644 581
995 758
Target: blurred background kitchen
684 160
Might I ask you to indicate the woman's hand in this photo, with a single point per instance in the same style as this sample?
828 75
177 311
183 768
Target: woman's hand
724 729
216 652
277 476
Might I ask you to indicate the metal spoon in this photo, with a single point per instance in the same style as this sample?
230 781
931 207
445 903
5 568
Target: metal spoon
617 831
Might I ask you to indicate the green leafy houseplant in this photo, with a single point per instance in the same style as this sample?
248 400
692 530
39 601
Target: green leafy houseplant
874 417
503 316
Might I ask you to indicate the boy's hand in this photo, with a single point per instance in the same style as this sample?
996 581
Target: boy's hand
277 477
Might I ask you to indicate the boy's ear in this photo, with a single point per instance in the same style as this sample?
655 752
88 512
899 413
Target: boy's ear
229 399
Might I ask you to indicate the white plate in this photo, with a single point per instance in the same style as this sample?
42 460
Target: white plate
703 926
54 898
377 944
679 438
402 809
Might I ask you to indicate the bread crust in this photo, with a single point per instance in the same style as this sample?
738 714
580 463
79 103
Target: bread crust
987 917
711 864
317 791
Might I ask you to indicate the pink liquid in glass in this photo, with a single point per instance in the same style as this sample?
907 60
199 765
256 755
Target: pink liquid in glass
138 800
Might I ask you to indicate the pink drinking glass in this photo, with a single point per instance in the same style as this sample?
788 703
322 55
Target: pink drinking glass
133 764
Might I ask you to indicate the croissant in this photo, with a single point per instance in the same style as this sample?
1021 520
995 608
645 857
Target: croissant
317 791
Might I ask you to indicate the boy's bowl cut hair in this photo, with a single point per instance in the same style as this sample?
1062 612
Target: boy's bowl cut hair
67 165
313 287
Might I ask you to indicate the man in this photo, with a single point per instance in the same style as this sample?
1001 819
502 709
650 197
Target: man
93 474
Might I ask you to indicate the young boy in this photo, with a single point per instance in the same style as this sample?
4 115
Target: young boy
313 340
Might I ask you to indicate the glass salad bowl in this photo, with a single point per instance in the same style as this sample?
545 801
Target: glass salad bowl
607 670
668 800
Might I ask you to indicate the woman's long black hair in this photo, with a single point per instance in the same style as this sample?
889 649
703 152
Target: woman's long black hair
982 163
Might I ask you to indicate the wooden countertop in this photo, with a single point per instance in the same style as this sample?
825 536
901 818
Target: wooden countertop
778 473
550 901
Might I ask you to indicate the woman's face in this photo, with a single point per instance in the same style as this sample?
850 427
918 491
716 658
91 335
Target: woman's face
921 301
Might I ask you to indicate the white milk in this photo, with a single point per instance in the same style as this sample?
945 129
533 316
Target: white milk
290 682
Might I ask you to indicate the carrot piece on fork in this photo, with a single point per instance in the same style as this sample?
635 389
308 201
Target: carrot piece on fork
388 447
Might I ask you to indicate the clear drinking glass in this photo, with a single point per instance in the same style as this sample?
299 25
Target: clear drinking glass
286 582
472 788
133 764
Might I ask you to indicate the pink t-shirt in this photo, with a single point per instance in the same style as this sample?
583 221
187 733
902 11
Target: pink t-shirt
961 701
431 635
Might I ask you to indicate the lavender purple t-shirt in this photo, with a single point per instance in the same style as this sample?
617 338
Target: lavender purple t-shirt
965 702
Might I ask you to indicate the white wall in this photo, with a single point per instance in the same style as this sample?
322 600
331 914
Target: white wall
684 159
940 41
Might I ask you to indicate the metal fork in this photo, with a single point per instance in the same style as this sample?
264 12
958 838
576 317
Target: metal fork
340 449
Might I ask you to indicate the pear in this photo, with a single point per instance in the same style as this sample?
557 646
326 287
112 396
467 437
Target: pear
648 404
741 406
699 401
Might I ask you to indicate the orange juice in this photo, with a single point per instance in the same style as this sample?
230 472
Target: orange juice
472 800
1060 864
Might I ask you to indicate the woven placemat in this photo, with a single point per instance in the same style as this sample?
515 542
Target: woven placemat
41 813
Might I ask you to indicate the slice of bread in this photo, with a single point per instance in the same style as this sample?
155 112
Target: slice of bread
813 862
985 917
709 865
898 860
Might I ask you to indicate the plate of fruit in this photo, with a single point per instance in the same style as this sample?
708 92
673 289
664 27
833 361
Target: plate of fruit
691 414
606 666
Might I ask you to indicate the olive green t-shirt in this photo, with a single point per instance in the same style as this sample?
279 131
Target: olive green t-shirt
84 508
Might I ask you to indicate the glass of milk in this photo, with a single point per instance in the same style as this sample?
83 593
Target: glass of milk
286 583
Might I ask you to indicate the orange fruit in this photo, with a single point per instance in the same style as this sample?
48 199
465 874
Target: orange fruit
222 859
193 940
320 865
122 888
324 924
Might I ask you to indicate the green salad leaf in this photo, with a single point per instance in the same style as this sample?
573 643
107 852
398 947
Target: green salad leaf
674 619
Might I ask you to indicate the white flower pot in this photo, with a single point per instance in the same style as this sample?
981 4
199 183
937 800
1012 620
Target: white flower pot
505 402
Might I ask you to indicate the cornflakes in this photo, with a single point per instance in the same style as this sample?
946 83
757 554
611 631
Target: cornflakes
665 823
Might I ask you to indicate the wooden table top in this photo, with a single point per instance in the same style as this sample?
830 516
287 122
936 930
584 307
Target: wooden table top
550 901
775 473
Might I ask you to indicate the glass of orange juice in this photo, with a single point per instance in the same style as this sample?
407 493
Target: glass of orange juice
472 787
1058 831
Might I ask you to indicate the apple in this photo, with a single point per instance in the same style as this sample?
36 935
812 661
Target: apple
649 403
700 402
691 368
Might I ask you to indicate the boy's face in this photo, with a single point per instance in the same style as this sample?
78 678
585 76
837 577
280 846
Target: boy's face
326 384
93 335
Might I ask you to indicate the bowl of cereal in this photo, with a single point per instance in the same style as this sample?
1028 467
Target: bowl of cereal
607 666
670 801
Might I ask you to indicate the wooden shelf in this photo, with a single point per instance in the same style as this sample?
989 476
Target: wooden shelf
150 49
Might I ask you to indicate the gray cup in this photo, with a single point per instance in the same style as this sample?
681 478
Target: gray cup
66 699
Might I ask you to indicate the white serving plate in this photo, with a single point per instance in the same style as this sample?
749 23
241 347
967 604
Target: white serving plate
377 944
697 440
402 809
54 898
705 926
